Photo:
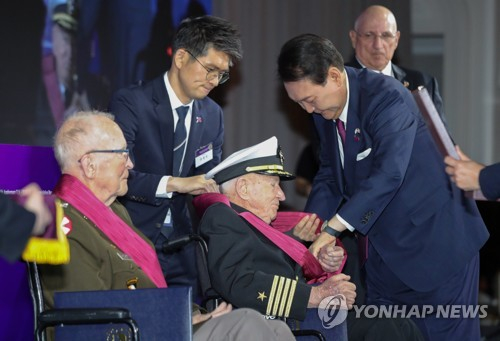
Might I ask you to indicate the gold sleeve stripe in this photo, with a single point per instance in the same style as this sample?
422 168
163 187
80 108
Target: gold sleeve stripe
284 298
290 298
281 296
271 295
279 293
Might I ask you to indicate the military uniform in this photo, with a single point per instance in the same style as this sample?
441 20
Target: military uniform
95 263
250 271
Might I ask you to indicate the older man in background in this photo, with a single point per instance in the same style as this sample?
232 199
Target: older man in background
375 38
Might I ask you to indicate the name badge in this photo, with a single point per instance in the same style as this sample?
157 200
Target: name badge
203 155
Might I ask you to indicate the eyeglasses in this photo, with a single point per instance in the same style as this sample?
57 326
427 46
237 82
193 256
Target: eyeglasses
124 152
385 36
222 77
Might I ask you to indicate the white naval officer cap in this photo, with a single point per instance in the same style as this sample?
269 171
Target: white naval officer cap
263 158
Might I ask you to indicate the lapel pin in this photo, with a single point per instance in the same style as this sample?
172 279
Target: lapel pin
357 133
199 119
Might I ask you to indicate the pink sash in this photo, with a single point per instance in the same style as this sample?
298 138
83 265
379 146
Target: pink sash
70 189
296 250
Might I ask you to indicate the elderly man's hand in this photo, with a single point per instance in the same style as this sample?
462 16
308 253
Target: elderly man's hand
306 228
330 257
335 285
222 308
193 185
463 172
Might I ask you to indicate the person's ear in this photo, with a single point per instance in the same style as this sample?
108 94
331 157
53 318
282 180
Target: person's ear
181 57
396 40
242 187
88 166
335 75
354 36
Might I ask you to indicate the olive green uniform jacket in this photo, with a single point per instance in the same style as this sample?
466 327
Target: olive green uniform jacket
95 262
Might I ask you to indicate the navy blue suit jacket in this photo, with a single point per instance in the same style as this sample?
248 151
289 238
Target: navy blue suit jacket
489 181
145 115
393 187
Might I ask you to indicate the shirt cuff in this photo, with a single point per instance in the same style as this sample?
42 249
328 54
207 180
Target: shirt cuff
347 225
161 190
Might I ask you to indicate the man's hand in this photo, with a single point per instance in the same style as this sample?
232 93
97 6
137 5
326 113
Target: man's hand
35 203
330 257
335 285
193 185
222 309
306 228
324 238
464 172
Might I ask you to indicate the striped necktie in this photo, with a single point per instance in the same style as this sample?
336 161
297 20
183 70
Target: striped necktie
180 140
341 130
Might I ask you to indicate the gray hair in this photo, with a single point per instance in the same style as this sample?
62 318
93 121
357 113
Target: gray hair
79 132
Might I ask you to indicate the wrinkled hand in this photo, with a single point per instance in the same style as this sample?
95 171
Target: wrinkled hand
335 285
464 172
222 309
193 185
306 228
35 203
330 257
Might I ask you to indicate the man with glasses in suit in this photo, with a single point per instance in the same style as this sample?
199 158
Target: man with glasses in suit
175 135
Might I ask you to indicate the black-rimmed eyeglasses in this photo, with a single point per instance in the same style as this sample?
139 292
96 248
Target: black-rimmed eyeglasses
222 77
385 36
124 152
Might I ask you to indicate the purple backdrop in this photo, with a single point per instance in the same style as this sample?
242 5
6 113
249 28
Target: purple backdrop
20 165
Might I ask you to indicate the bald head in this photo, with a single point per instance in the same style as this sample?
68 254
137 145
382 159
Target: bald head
377 14
375 37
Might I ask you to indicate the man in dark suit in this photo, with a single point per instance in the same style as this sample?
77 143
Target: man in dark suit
375 38
382 176
18 223
204 49
470 175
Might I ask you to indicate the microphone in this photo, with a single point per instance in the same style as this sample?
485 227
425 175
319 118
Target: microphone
176 244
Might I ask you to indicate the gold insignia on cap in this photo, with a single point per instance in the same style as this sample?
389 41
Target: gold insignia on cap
262 296
263 168
280 155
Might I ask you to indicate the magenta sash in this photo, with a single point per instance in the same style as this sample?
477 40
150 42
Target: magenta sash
70 189
293 248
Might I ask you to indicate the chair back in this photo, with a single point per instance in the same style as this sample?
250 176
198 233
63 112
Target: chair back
35 290
162 314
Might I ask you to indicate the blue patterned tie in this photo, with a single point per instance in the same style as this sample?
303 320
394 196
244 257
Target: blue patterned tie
180 140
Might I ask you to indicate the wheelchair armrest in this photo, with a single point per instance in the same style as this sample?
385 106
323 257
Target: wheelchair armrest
54 317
